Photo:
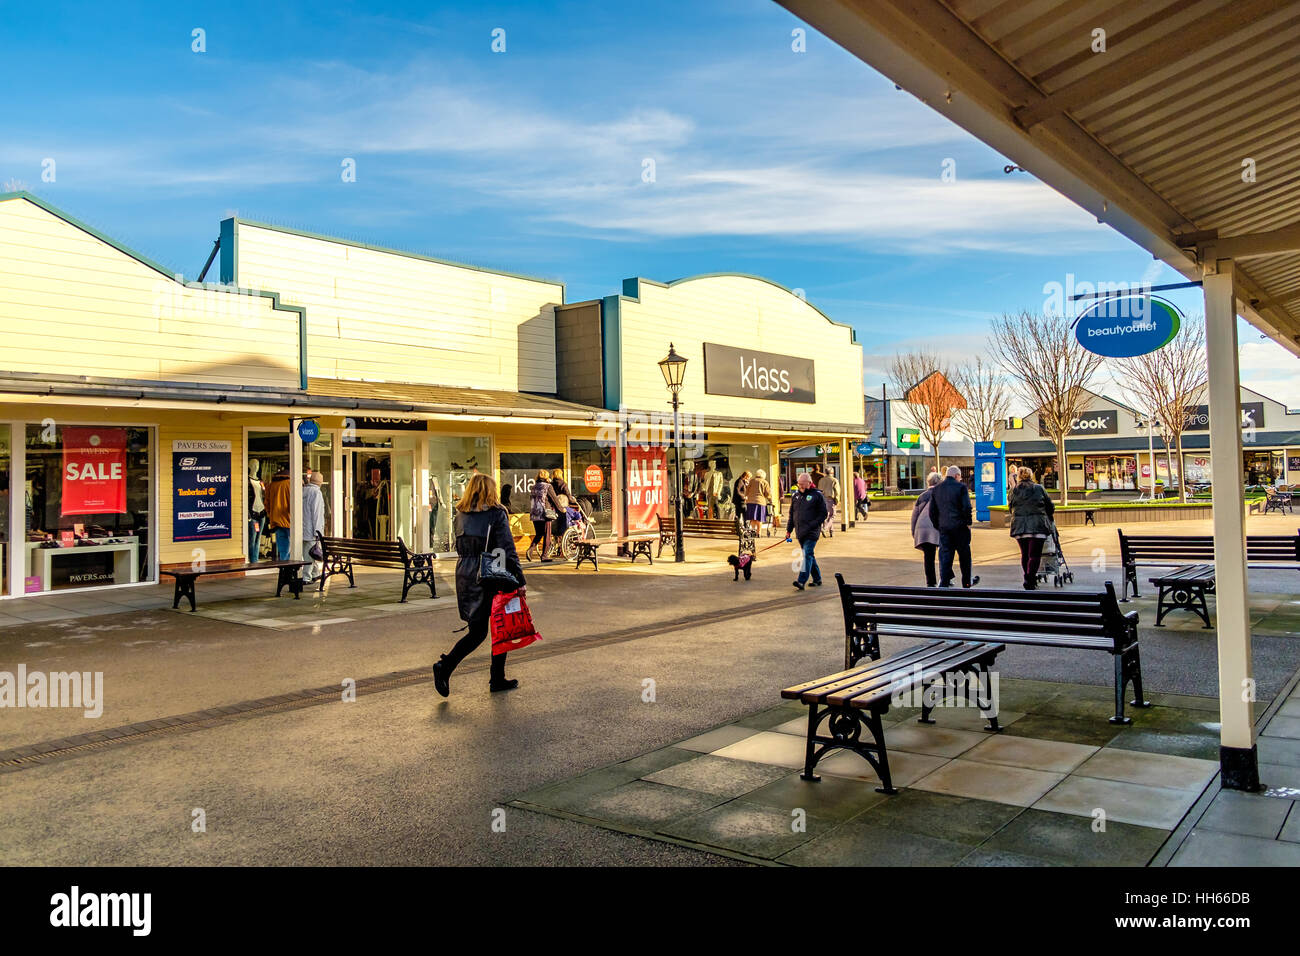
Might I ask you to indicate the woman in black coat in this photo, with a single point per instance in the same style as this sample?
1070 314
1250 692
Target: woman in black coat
481 525
1031 523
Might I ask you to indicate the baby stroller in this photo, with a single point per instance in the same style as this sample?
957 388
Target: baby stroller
1054 564
578 529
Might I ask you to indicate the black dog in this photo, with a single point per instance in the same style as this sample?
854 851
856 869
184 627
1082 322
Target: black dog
744 562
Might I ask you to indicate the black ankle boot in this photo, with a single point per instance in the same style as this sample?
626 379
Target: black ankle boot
441 676
500 685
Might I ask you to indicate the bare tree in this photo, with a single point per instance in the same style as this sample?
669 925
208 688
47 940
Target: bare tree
988 400
1166 382
1050 370
924 380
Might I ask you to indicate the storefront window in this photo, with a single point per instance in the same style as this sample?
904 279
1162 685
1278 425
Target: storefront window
89 495
591 485
452 462
1264 467
912 472
1110 473
1197 470
268 456
710 472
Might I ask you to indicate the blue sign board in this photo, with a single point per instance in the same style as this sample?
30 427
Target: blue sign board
308 431
1125 326
990 477
864 448
201 490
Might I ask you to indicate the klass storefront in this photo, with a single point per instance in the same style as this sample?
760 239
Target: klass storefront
144 419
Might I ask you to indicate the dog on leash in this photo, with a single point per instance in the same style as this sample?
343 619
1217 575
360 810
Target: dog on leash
742 563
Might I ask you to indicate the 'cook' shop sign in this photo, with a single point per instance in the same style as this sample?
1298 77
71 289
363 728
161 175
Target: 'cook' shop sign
750 374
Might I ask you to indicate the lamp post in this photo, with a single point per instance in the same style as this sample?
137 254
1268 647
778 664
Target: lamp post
884 439
674 369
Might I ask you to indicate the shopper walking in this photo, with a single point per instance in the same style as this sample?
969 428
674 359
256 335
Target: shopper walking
758 498
950 511
563 500
481 525
739 488
861 502
277 512
1031 523
313 521
543 508
807 514
829 486
925 536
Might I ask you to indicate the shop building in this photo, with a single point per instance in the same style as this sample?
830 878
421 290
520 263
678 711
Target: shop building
1111 448
136 406
903 457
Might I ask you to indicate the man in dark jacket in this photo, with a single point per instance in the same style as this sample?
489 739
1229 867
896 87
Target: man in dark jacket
950 512
808 510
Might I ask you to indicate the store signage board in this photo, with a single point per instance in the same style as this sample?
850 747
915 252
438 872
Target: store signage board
308 431
201 490
94 471
1102 421
747 373
1198 416
864 448
373 423
907 438
647 487
1127 325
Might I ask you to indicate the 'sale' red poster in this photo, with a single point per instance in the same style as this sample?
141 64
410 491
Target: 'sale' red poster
647 486
94 471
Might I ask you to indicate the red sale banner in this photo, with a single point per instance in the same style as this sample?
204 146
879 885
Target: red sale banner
94 471
647 487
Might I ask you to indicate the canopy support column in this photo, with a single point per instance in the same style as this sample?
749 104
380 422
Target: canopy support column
1238 758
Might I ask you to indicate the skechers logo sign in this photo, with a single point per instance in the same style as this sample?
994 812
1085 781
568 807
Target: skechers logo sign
749 374
133 910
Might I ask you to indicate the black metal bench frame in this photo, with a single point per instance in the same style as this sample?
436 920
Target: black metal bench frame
1277 501
1067 619
1276 551
288 577
587 548
854 700
1185 589
746 540
416 568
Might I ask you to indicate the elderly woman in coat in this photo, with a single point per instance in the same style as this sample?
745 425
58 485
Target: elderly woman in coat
482 525
1031 523
925 536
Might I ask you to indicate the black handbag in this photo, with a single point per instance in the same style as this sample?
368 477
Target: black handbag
493 575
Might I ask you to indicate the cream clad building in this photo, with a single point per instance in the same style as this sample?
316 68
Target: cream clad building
142 414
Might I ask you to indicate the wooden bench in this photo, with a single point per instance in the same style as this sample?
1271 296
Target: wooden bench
1075 620
288 576
340 554
706 528
1169 550
1186 589
854 699
587 548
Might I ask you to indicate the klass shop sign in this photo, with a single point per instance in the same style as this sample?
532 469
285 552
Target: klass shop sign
749 374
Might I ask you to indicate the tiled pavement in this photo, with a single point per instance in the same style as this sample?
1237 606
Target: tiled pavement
1036 794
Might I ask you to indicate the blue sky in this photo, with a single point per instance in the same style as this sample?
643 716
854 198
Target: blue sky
807 168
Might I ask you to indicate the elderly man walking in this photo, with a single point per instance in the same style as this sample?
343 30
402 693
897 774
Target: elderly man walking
313 521
950 512
808 509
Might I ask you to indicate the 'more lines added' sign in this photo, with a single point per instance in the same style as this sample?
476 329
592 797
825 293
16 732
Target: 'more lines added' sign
1125 326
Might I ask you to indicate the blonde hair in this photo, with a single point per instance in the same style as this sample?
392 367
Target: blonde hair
761 475
543 475
480 494
1024 474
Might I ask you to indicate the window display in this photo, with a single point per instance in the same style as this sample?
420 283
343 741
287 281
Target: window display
88 497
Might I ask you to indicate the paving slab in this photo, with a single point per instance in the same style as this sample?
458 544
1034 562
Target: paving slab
1246 813
1212 848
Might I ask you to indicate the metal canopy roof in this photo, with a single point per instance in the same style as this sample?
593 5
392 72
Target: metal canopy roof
1150 135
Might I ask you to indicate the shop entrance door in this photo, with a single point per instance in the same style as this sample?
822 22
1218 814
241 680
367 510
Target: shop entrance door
369 495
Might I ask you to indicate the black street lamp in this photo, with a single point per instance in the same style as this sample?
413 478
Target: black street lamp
884 439
674 369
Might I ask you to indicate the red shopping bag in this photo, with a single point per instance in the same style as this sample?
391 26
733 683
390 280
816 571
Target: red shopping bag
511 624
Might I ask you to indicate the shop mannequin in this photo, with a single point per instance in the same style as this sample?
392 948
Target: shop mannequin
256 510
713 485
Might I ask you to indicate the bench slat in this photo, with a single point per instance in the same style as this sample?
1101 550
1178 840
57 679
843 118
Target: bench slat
903 679
832 681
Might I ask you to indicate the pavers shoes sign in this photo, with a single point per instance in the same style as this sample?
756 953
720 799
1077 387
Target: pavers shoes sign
94 471
749 374
1125 326
200 490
